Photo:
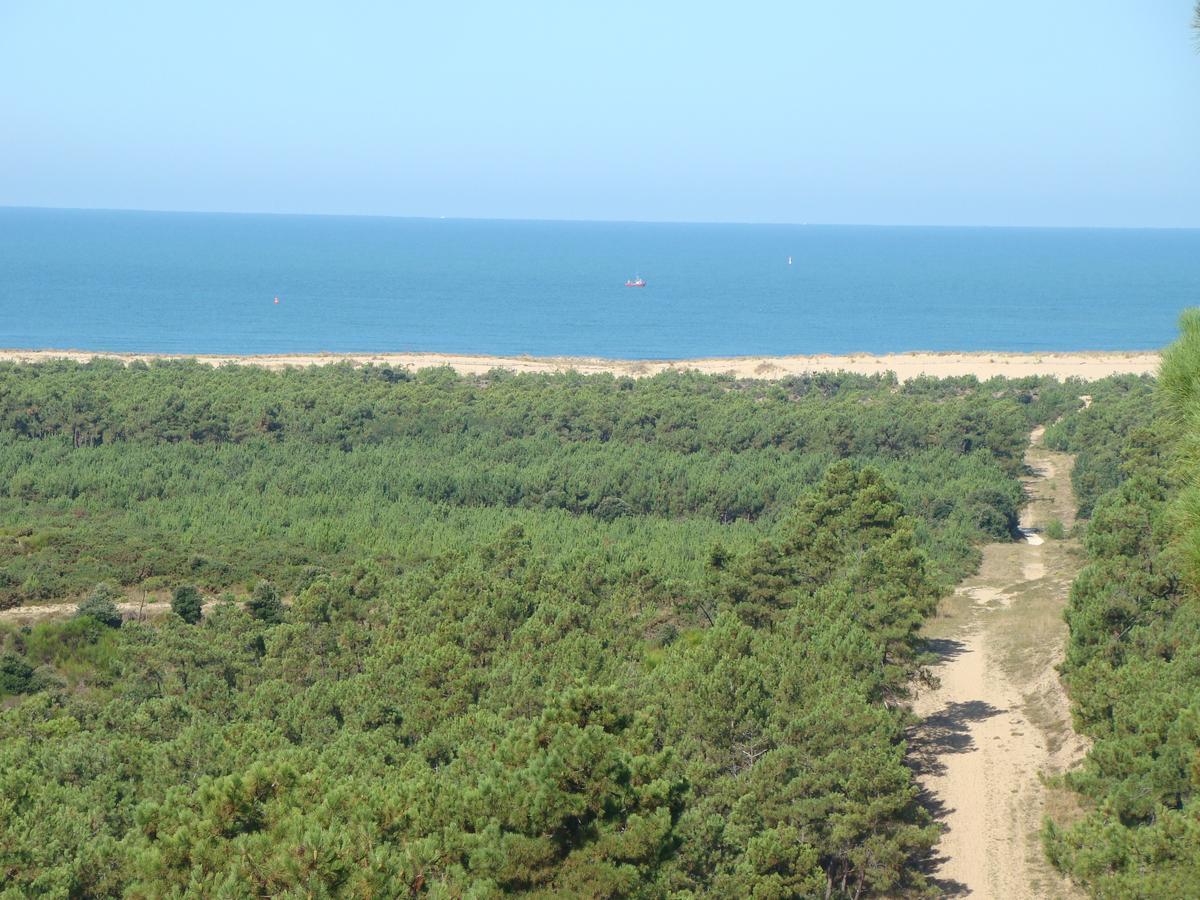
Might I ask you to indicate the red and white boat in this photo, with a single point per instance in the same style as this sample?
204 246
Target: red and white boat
636 282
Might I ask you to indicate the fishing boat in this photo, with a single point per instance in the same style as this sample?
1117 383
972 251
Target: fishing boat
636 282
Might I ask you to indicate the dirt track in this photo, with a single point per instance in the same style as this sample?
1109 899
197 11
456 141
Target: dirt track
999 718
129 609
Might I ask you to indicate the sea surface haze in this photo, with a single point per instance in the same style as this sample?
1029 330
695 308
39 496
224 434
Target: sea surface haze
206 283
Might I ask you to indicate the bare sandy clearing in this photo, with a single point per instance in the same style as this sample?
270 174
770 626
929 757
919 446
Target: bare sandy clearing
129 609
1085 365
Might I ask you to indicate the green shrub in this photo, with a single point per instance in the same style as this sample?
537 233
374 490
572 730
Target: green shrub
101 605
187 603
15 674
264 604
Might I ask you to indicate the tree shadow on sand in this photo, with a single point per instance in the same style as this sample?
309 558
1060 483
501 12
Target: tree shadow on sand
945 649
931 862
946 731
947 887
936 652
937 735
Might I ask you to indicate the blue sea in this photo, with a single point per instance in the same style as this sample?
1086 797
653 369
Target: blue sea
206 283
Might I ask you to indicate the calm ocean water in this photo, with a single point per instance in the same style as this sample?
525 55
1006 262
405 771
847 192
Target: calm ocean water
200 283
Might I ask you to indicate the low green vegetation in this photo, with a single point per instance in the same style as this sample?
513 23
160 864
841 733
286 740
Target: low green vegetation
1133 662
101 605
178 473
555 636
1121 413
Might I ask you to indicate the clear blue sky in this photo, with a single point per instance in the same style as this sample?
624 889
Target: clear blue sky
1055 112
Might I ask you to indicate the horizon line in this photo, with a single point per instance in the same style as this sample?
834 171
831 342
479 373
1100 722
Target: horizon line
591 221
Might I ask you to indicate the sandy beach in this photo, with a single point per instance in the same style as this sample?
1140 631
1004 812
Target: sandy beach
1088 365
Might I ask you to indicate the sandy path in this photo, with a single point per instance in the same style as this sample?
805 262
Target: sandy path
129 609
1000 716
1087 365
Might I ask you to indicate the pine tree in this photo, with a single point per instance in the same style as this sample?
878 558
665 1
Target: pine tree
187 603
101 605
264 604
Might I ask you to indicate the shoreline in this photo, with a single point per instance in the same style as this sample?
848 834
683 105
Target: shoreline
1085 364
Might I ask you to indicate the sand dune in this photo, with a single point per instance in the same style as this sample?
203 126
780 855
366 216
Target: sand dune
1087 365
